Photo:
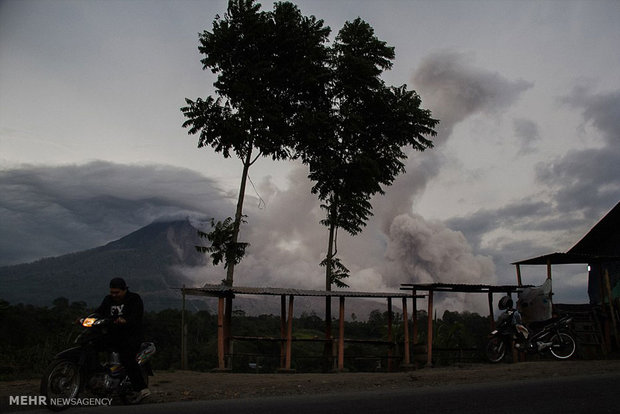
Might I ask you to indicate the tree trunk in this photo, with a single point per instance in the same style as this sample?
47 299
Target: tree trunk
239 213
328 350
328 279
230 269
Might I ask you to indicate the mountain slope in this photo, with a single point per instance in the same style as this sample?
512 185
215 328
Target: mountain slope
145 258
148 259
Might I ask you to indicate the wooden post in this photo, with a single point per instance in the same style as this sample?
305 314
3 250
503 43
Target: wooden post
407 357
491 313
519 282
227 331
183 334
611 307
429 339
282 331
390 335
415 316
341 336
220 333
549 277
289 333
328 348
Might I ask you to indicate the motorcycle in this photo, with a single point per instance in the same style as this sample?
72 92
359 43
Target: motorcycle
553 335
79 368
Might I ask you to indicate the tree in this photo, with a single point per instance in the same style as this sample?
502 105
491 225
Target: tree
270 93
362 152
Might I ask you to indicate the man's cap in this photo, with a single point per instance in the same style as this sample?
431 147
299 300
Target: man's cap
118 283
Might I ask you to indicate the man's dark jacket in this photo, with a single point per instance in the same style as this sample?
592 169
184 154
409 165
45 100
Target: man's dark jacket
131 309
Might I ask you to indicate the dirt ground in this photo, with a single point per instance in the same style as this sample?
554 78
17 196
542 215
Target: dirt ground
170 386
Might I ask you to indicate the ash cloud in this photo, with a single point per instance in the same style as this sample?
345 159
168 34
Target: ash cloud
397 246
53 210
454 89
416 250
287 240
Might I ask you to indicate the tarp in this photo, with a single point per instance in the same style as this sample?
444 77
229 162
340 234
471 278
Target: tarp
534 303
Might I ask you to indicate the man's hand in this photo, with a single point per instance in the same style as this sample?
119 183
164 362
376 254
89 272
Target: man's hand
120 320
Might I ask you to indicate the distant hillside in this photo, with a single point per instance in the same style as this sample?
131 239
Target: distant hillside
145 258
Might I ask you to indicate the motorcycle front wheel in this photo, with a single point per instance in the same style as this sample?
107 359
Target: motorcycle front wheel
563 346
60 383
496 350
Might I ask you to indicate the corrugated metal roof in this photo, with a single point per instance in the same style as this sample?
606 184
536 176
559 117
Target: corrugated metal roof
600 244
459 287
222 290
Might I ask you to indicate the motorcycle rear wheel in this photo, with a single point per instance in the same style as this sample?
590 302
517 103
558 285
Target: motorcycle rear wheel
61 382
496 350
563 346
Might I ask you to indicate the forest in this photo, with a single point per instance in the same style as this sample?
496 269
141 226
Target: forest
32 336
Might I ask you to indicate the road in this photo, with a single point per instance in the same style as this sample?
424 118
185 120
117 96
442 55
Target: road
581 394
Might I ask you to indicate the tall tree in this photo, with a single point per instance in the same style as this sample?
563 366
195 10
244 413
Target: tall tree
270 89
370 124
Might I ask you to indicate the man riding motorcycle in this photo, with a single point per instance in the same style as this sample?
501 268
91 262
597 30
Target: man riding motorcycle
125 308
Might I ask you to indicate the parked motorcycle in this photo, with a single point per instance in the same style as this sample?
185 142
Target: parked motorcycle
553 335
79 368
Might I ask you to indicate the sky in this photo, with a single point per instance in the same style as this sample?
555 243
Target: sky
526 159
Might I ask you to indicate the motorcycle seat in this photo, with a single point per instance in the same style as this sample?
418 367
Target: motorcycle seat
538 325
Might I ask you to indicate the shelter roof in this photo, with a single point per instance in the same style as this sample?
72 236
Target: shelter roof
457 287
600 244
566 258
603 239
223 290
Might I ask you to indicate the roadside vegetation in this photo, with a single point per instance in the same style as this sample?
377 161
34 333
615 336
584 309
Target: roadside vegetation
31 336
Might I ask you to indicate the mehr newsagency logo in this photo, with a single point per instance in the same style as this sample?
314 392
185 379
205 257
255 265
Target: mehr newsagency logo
41 400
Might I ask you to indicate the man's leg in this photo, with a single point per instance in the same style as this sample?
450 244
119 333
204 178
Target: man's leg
128 359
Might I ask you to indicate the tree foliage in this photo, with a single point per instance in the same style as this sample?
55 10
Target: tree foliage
222 248
281 92
269 88
370 124
45 331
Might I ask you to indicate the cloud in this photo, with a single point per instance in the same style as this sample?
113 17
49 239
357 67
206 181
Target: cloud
575 190
588 179
527 131
454 90
53 210
519 230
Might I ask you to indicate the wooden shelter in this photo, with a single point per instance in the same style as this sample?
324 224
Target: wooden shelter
431 288
286 338
600 250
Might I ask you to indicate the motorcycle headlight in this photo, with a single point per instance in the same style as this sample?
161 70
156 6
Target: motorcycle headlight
88 322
